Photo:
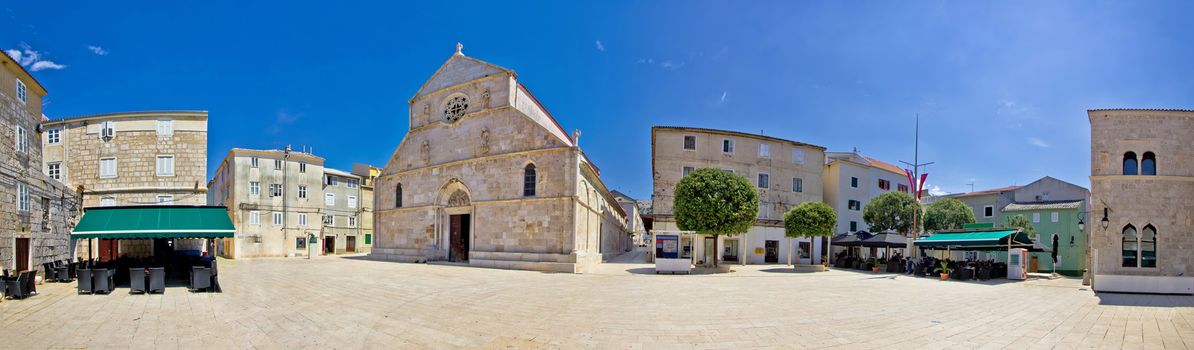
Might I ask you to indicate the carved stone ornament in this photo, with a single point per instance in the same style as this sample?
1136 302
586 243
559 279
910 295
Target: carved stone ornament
484 140
458 199
425 152
485 99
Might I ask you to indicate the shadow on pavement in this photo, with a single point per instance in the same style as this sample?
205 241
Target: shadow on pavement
1149 300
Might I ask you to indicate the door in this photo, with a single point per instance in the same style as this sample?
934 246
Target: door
710 250
458 237
329 244
22 254
350 244
804 251
1033 264
771 255
109 249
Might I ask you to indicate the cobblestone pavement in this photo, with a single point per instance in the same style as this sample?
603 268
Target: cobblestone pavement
356 303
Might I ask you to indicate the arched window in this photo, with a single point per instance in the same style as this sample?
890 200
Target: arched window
1130 163
528 181
1130 245
398 196
1148 164
1148 246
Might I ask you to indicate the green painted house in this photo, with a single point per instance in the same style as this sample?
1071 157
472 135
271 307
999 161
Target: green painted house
1055 219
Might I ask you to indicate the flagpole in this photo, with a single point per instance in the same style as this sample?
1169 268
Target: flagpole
916 181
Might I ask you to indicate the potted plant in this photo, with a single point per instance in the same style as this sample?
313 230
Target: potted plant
873 264
945 270
825 260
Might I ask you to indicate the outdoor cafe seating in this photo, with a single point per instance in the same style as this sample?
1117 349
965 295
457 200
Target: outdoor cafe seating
20 285
183 242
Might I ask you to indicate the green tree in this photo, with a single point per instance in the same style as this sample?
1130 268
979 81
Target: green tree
809 219
947 214
890 211
1021 222
715 202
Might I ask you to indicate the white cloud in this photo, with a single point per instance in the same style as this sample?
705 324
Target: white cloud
724 97
1011 107
1038 142
600 46
40 65
646 61
671 65
936 191
97 50
283 120
32 59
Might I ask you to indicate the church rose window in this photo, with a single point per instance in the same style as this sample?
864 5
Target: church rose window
455 108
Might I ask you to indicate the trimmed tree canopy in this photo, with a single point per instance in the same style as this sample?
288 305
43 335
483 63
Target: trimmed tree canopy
1021 222
947 214
715 201
810 219
890 211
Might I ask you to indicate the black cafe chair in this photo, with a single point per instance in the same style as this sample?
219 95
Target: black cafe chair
200 278
84 281
136 280
157 280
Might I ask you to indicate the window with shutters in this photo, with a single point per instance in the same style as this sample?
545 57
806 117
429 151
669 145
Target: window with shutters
53 136
22 91
107 168
165 165
54 170
165 127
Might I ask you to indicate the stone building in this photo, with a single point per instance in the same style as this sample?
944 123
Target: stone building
130 159
634 218
786 173
275 199
368 175
341 212
1142 179
852 180
486 175
36 212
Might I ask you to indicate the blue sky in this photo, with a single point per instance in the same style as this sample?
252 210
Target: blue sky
1002 88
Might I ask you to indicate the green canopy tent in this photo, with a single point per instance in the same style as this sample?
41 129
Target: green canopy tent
154 222
983 239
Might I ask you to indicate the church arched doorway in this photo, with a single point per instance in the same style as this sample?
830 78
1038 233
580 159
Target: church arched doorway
457 208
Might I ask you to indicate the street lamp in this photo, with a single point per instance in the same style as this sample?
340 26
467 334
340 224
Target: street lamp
1102 223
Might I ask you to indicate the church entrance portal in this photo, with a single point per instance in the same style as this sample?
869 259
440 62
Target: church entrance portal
458 235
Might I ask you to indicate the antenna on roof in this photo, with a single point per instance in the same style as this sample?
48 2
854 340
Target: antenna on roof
971 184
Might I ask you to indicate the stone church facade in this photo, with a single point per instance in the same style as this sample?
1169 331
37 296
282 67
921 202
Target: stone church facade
486 175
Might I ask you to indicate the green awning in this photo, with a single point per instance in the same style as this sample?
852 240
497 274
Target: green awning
159 221
971 240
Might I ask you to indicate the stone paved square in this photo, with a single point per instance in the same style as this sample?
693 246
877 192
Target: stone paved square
351 303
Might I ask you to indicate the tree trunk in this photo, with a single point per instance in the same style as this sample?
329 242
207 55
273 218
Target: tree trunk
715 250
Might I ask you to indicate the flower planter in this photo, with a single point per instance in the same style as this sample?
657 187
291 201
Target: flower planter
944 276
874 269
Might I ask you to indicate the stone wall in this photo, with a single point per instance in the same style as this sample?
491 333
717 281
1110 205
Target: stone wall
230 187
669 159
474 163
1162 201
135 146
53 208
